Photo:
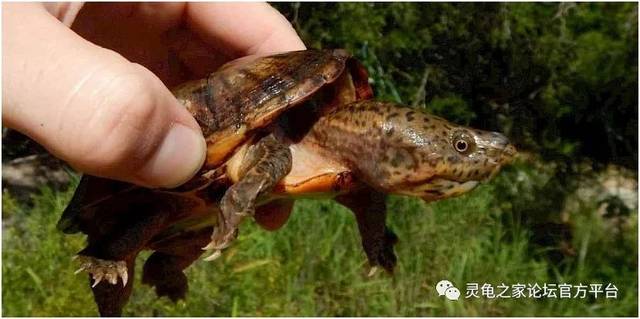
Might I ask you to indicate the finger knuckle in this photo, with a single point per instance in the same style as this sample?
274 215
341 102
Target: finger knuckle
126 129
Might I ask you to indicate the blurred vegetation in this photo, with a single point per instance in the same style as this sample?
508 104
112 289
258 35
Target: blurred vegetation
560 79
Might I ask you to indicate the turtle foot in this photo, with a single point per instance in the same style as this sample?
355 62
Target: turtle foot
100 269
227 230
221 238
382 253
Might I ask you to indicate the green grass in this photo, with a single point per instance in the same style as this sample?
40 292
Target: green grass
314 266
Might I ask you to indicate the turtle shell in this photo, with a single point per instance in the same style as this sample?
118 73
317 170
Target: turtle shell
251 93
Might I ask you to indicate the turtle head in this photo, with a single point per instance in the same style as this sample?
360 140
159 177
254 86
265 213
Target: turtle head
440 159
467 157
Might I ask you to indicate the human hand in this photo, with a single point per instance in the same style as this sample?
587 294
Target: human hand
95 94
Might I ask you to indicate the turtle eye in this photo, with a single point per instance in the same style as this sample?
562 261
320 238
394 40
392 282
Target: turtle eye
463 142
461 146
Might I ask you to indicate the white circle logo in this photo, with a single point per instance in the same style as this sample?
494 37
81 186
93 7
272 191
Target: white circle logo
446 288
442 286
452 293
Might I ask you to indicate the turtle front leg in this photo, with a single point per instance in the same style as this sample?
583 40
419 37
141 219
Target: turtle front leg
263 165
378 240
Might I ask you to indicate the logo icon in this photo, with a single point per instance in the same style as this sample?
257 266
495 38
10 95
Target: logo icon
447 289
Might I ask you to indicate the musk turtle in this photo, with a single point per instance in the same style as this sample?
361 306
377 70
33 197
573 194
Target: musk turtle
280 127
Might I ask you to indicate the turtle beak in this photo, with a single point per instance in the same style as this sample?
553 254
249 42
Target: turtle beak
508 154
503 150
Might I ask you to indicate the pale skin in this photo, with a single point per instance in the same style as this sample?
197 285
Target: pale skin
91 82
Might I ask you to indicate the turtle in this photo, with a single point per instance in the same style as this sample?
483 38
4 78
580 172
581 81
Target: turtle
278 128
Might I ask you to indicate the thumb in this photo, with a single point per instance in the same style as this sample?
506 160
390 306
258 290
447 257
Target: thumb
91 107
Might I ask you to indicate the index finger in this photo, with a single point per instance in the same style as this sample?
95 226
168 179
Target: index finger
240 29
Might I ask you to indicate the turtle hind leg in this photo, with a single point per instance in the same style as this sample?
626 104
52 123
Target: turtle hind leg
111 281
164 269
104 259
163 273
378 240
264 164
109 258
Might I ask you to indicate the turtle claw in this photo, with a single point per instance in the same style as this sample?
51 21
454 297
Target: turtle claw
213 245
112 278
97 278
216 254
124 275
373 271
209 246
221 239
81 269
221 244
103 269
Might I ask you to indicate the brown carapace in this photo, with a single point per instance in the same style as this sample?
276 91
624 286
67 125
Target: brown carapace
298 124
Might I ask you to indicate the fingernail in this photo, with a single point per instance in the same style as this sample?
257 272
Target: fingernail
178 158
